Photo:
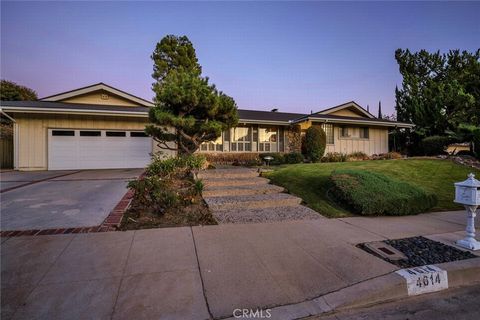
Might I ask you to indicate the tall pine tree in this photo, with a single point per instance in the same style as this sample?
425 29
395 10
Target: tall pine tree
188 110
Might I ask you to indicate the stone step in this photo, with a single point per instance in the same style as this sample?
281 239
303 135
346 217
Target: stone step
228 173
234 181
220 191
270 214
251 201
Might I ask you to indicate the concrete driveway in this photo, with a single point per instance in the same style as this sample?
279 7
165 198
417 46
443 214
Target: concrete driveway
61 199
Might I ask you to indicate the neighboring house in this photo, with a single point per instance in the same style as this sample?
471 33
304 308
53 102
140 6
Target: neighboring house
102 127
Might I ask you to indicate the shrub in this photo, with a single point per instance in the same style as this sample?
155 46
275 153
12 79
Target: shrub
334 157
198 186
169 167
435 145
153 193
293 157
242 159
387 156
476 143
369 193
357 156
278 158
315 143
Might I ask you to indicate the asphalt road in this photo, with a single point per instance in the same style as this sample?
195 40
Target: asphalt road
456 304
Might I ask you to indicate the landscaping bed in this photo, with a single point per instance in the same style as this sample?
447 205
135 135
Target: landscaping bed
168 195
420 251
311 181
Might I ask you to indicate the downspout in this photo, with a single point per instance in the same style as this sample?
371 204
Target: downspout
15 138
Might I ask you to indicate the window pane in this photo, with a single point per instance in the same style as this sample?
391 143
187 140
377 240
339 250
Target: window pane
138 134
90 133
116 133
63 133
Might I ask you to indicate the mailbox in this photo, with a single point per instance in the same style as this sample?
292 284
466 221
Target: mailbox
468 192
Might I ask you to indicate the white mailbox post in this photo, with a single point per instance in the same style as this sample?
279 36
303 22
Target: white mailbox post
468 194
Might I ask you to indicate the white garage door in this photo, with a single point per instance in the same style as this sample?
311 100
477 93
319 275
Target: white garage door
97 149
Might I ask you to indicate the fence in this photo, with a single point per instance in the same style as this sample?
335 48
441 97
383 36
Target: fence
6 153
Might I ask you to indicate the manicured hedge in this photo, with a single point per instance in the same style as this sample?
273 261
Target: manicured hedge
435 145
315 143
368 193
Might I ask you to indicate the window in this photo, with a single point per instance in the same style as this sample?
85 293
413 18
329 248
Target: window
216 145
241 139
364 133
267 138
116 133
63 133
90 133
138 134
328 128
344 132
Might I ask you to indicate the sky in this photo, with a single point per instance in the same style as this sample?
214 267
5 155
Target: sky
294 56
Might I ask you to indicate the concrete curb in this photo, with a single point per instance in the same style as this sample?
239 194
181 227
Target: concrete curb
385 288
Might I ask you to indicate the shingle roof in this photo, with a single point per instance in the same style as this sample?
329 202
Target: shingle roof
267 115
245 115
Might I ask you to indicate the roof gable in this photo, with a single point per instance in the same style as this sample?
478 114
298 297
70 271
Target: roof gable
347 109
99 93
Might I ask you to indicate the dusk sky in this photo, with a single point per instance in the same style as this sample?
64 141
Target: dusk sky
295 56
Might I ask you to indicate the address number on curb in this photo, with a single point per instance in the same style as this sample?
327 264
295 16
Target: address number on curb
424 279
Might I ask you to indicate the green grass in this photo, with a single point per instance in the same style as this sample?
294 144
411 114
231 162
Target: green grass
310 181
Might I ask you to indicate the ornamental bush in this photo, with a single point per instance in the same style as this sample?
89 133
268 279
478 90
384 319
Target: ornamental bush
293 157
369 193
315 143
435 145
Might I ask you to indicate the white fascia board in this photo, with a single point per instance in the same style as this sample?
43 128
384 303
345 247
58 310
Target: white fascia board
95 88
282 123
76 111
373 123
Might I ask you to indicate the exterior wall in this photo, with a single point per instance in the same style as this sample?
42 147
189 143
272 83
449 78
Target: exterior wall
376 143
32 133
293 139
346 113
96 98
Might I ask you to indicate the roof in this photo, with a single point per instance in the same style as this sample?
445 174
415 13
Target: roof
344 119
63 107
347 105
255 115
95 87
245 116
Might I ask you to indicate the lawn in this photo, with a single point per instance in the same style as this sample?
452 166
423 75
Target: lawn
309 181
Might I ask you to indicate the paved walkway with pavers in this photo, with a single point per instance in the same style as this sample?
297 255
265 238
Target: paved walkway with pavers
199 272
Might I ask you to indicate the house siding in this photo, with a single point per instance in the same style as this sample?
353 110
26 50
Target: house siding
96 98
376 143
32 131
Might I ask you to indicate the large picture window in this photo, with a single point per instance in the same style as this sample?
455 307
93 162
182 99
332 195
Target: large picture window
241 139
267 139
213 146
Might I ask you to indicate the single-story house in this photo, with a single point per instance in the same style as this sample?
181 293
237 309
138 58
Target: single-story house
100 126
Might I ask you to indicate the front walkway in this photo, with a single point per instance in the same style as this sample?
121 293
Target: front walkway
195 273
239 195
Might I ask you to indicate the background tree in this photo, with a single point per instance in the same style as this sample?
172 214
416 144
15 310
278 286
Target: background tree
439 92
10 91
184 101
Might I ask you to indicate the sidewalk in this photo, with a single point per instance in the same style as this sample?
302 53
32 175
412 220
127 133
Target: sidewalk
203 272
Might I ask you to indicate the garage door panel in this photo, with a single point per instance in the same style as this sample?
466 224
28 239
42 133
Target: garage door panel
97 152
